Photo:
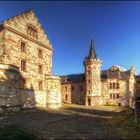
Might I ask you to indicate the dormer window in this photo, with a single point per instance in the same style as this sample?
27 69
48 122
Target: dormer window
31 30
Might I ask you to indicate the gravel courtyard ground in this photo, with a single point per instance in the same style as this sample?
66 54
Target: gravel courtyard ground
74 121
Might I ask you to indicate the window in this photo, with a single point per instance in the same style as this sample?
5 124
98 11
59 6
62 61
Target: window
23 65
40 69
117 85
81 88
88 81
113 85
40 85
22 83
110 96
68 79
117 95
23 47
66 88
110 85
31 30
113 96
72 88
66 97
40 53
88 72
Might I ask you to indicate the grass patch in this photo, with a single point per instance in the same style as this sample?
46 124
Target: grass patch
13 132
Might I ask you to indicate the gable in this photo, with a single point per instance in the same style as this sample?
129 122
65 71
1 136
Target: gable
21 22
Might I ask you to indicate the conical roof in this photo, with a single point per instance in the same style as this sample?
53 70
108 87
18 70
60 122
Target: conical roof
92 53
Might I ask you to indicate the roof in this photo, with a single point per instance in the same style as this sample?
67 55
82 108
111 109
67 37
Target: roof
28 17
28 11
92 53
73 78
125 74
117 67
103 74
76 78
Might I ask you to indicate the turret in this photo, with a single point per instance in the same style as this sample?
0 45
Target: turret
92 74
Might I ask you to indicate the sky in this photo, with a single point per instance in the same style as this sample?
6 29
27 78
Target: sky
69 25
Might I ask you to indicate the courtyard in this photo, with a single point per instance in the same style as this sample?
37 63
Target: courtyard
75 121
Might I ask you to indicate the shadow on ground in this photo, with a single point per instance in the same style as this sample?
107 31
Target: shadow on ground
70 122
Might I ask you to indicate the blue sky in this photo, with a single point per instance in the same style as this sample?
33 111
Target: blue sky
114 26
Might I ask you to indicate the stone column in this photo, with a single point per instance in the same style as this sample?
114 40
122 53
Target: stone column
53 92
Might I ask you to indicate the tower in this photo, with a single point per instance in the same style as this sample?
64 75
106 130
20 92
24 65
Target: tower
92 78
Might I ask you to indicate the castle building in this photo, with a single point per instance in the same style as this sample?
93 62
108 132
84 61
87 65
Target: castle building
26 78
114 86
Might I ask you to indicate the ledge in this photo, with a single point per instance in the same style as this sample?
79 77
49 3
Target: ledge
9 67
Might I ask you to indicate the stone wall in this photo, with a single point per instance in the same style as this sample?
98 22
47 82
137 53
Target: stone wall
13 55
93 82
122 91
72 93
9 85
13 33
137 86
66 93
53 84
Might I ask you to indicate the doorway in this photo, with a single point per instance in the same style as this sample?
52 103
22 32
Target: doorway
89 102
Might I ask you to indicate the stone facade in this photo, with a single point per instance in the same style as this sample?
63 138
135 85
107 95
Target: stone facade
24 45
137 86
115 86
137 99
73 89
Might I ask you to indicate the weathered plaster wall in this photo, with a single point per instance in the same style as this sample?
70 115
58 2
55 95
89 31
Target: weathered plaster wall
75 95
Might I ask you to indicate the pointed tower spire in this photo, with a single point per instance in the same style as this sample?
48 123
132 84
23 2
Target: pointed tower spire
92 53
